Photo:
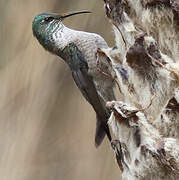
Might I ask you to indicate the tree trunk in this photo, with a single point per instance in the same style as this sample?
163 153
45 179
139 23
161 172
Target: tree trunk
145 120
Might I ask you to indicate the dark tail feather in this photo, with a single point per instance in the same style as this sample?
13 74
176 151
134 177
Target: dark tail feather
101 130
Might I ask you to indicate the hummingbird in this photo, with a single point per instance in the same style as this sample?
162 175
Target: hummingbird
79 50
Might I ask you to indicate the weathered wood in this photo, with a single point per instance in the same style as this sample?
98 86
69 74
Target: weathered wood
147 51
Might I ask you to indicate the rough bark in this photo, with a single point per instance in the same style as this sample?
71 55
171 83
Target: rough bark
145 120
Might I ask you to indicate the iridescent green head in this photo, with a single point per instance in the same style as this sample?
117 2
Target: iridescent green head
45 24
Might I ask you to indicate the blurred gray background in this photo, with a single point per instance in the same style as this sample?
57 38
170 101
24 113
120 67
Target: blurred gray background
46 127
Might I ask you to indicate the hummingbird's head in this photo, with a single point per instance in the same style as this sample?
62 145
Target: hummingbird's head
45 25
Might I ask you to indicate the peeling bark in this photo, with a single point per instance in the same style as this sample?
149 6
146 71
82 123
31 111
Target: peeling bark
146 62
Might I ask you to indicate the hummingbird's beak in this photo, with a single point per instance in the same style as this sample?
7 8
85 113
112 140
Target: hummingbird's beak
63 16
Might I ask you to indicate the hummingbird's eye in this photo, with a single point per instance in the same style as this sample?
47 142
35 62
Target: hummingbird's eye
48 19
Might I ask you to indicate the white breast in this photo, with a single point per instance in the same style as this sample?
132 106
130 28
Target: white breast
88 43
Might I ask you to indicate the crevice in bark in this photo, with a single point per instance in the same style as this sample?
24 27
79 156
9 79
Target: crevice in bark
146 62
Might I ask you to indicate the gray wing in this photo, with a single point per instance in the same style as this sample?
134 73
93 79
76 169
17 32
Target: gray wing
79 67
87 88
